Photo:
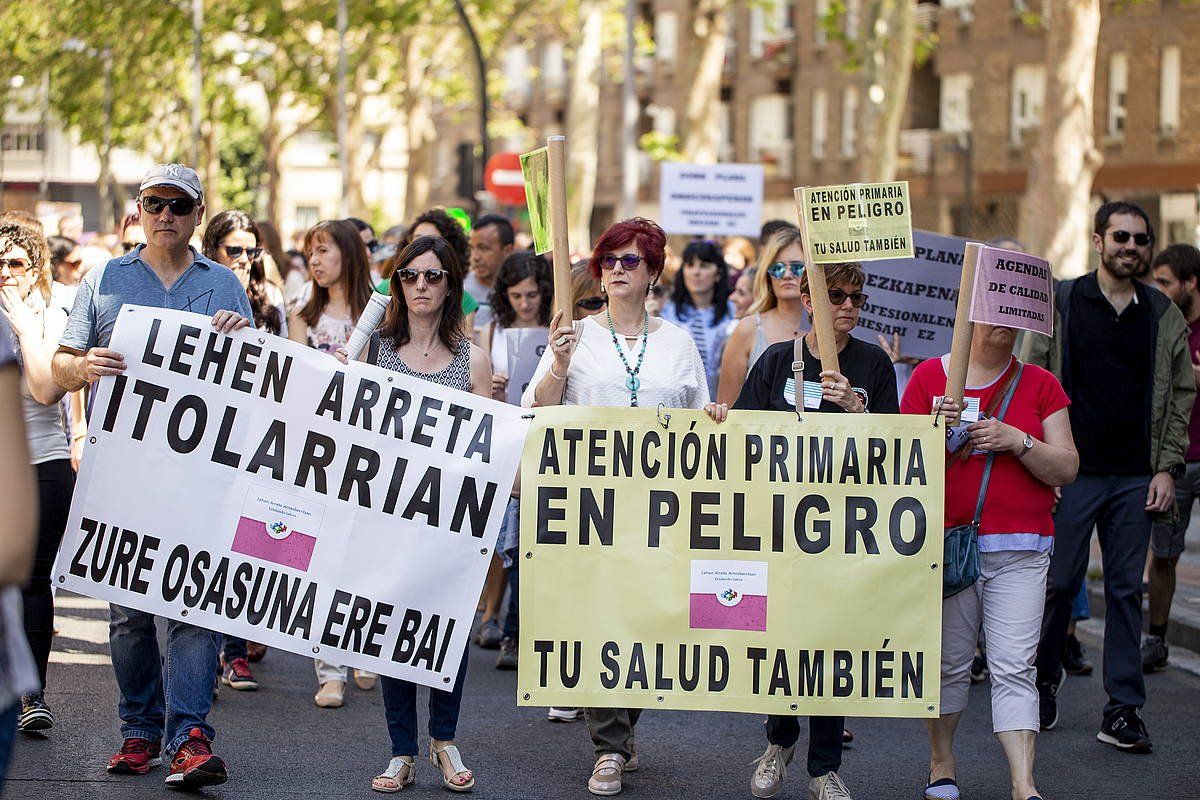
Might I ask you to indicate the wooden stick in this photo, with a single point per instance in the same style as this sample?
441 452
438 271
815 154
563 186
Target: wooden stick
560 247
818 290
960 345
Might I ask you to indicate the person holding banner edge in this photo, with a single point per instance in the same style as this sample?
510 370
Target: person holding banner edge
1026 450
165 272
422 336
865 384
623 357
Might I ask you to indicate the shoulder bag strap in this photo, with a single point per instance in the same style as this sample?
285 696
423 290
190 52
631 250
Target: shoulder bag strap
798 372
987 470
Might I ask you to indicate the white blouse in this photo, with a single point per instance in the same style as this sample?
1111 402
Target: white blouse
671 373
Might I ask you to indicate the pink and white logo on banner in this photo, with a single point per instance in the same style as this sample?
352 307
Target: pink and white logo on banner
728 595
1013 290
268 528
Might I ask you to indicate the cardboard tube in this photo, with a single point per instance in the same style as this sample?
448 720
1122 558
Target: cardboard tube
818 290
960 345
560 247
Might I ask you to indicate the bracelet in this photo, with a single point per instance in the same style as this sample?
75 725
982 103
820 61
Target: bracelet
555 375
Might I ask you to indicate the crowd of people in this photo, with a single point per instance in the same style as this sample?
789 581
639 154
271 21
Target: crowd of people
1094 430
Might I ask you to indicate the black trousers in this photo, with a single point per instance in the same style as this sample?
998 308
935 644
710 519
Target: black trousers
56 482
824 740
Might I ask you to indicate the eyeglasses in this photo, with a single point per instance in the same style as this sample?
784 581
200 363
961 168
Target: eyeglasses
432 276
837 297
780 268
1140 239
591 303
127 246
15 266
236 252
629 261
180 206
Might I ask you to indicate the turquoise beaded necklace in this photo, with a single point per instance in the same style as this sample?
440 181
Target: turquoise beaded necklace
633 382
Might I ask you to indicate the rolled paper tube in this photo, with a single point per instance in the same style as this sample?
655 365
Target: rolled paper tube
367 323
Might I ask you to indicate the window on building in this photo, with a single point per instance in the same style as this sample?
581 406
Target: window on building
820 11
1028 92
1168 93
554 65
851 18
955 103
516 71
1118 88
726 151
307 216
666 35
820 129
771 132
768 23
22 138
849 121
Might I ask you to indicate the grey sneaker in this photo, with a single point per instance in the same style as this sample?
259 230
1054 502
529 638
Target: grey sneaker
1154 654
508 654
828 787
770 769
489 635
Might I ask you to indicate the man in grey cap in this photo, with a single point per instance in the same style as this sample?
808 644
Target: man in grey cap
166 272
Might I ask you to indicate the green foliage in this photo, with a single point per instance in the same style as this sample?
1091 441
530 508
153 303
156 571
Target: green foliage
661 146
241 156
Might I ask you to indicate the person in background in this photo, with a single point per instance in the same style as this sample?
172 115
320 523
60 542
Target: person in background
739 254
586 297
491 242
70 226
771 228
394 235
365 231
132 233
233 240
742 295
37 327
273 256
296 277
699 304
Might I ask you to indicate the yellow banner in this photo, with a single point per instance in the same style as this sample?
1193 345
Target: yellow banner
856 222
765 565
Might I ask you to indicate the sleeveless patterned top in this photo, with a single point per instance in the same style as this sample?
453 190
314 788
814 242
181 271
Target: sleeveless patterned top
456 375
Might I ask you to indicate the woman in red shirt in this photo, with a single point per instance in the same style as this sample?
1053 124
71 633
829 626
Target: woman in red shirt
1034 453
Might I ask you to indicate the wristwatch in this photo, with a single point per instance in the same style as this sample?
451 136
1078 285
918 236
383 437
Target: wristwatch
1176 471
1026 446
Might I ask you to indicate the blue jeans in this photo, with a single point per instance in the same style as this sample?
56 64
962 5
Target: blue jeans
234 648
512 620
8 732
139 668
1080 607
400 705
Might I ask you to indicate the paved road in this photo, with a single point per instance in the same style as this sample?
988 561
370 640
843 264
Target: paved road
279 745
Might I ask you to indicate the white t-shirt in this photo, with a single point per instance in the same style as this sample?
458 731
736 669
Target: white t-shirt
482 295
671 374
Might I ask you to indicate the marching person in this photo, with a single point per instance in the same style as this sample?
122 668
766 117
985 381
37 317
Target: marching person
422 336
168 273
699 303
1022 447
623 357
865 384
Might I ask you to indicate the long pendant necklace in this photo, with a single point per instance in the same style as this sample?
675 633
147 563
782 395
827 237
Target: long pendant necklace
633 382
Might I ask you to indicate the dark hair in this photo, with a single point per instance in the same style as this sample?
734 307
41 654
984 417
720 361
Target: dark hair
1113 207
646 236
504 228
517 267
849 273
707 252
1182 259
273 242
30 237
361 225
266 314
356 275
450 229
450 328
60 247
130 220
772 227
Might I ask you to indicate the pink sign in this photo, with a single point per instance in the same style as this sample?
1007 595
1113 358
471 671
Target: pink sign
1013 290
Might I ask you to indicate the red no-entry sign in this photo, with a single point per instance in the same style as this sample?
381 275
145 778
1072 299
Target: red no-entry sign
502 177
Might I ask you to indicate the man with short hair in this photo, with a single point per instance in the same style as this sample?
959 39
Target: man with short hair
491 241
1120 350
166 272
1177 273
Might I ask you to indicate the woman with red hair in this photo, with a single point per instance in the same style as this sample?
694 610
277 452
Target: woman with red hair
621 357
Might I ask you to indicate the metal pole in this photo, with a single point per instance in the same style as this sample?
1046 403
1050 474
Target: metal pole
343 132
629 120
197 78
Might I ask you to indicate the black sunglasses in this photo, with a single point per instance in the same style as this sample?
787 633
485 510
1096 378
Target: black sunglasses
432 276
591 303
233 251
780 268
837 297
629 261
180 206
1140 239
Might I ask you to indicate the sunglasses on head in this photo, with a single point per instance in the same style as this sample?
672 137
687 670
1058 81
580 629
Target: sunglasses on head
180 206
591 303
1140 239
233 251
629 261
837 297
15 266
780 268
432 276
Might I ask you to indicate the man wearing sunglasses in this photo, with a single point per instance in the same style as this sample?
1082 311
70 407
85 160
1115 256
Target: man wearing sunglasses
166 272
1120 350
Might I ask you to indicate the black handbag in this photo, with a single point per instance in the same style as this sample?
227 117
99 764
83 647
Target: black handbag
960 546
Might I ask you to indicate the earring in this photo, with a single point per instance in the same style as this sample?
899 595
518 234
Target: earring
603 288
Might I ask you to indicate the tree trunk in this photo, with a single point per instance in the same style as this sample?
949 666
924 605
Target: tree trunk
702 113
890 34
418 111
583 121
1054 211
103 189
272 143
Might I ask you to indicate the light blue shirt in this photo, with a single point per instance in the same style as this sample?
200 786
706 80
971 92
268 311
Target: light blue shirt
205 287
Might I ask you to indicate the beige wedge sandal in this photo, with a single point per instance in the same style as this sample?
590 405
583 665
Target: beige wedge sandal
456 763
399 773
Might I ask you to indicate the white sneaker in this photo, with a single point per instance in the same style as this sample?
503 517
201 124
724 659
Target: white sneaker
564 714
828 787
770 769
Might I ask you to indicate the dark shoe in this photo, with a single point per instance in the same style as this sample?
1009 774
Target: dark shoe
194 765
255 652
1154 654
489 635
508 654
847 737
1125 730
36 716
1075 660
1048 702
136 757
979 669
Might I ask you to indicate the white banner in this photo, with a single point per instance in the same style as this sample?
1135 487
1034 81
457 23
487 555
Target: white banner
915 297
253 486
712 199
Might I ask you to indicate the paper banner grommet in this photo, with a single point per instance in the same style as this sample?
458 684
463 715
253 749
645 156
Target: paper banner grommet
525 696
446 679
933 566
183 613
62 578
660 698
529 555
528 416
316 650
483 551
794 706
92 440
664 417
929 708
262 340
389 379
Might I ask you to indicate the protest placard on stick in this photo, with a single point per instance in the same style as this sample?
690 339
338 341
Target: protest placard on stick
535 168
1013 290
964 329
556 147
711 199
818 290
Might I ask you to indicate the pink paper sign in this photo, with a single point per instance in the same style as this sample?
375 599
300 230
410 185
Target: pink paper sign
1013 290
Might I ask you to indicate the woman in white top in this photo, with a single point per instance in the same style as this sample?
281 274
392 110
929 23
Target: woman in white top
341 289
622 357
36 328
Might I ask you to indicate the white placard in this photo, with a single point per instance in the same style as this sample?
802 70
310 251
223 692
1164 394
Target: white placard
711 199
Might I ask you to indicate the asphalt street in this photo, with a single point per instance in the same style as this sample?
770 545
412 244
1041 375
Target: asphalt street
279 745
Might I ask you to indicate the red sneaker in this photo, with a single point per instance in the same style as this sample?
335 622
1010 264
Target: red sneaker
136 757
237 675
194 764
